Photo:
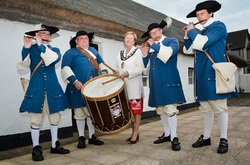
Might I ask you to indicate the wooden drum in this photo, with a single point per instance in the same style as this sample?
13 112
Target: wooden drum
108 104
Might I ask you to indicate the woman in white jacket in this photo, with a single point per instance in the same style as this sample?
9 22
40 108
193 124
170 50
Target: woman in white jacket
130 66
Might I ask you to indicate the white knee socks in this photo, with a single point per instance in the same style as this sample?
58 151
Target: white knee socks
80 127
164 120
35 134
172 122
208 123
54 135
90 127
223 124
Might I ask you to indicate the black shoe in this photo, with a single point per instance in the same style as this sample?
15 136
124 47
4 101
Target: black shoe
175 144
128 139
94 140
59 149
201 142
135 141
37 153
162 139
81 142
223 146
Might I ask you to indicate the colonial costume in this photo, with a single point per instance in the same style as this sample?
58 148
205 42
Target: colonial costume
212 38
76 66
44 94
165 83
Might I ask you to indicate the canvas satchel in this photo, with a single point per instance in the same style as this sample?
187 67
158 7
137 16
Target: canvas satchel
224 75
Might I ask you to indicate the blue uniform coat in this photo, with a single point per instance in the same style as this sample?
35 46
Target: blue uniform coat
43 81
164 79
204 73
83 71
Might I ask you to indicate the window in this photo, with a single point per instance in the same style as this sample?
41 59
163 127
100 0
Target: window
190 76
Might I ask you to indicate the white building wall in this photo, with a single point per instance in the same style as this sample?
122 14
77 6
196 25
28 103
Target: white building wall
11 95
11 33
11 121
243 83
184 62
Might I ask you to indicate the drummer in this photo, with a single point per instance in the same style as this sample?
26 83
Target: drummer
79 64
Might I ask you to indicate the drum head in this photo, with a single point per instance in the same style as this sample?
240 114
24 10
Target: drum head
103 86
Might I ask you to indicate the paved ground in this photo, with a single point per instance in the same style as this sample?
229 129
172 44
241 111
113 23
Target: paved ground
117 151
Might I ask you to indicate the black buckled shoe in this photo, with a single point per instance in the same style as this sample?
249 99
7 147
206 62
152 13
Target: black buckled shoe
162 139
175 144
59 149
37 153
94 140
201 142
223 146
81 142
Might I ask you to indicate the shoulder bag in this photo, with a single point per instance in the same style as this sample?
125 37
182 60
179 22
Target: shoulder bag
224 75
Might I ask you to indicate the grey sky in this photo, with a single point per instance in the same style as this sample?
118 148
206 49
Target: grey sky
234 13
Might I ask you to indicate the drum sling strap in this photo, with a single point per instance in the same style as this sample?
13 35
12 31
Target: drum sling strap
91 59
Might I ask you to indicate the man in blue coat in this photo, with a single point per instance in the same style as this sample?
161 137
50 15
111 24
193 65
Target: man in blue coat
213 40
77 69
164 79
44 94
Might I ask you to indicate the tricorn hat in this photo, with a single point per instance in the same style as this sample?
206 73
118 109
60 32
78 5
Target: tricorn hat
72 42
42 27
166 22
210 5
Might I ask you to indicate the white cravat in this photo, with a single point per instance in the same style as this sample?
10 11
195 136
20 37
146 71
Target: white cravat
209 22
90 53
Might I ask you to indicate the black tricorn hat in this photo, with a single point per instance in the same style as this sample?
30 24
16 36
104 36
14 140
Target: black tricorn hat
210 5
152 26
42 27
72 42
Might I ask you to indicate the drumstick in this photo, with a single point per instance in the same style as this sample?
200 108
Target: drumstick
110 80
109 67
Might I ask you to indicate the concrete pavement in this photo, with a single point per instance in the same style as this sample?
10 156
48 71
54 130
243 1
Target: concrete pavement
116 151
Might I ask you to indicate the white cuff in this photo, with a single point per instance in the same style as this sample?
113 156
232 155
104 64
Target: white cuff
188 51
23 64
49 56
164 53
102 67
66 73
145 71
199 42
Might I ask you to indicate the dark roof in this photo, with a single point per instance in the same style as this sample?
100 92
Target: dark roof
125 12
236 59
237 40
107 18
